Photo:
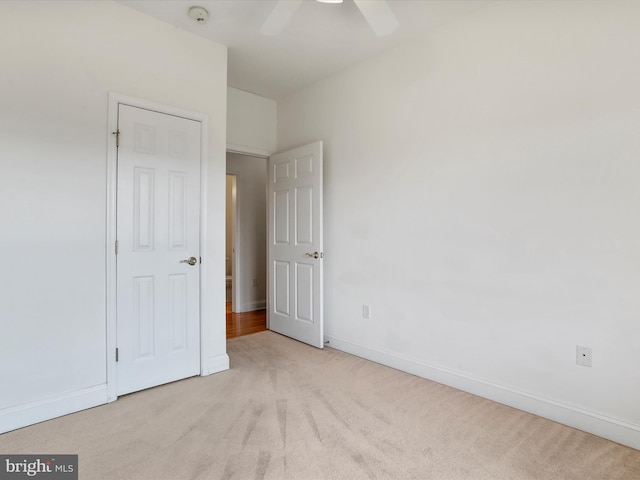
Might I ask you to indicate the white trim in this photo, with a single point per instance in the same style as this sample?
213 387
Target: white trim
252 306
112 174
602 425
204 250
34 412
248 151
111 228
215 364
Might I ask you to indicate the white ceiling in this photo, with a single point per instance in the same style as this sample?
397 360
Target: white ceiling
321 39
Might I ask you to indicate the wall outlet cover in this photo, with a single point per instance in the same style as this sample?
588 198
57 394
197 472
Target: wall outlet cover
583 355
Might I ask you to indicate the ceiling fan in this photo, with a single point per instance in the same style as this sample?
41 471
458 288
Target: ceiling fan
377 13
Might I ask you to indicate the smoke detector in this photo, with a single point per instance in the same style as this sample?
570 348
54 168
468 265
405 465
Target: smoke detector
199 14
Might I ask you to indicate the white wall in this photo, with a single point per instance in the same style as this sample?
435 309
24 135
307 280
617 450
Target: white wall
251 123
251 201
481 194
59 62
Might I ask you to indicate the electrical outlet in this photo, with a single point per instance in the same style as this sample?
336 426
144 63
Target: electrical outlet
366 311
583 356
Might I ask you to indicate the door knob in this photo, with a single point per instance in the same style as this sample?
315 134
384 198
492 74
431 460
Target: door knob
313 255
190 260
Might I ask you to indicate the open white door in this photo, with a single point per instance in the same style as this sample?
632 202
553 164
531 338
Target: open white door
295 257
158 231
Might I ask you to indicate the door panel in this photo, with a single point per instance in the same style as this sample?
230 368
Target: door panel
158 221
304 292
304 216
178 307
143 317
177 210
143 218
295 244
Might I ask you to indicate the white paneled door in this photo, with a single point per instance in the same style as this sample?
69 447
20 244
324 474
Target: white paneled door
158 260
295 255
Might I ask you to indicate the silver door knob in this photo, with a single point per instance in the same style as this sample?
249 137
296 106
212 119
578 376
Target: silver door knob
313 255
190 260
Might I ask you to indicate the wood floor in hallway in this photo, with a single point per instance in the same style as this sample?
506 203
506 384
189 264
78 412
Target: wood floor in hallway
239 324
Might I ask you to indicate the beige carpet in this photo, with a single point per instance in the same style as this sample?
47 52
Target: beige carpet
288 411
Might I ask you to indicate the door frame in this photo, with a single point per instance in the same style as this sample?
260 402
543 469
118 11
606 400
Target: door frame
111 227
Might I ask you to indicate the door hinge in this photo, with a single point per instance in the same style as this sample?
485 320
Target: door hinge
117 245
117 354
200 259
117 134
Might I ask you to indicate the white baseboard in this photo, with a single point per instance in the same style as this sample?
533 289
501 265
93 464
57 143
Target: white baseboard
611 428
23 415
252 306
26 414
218 363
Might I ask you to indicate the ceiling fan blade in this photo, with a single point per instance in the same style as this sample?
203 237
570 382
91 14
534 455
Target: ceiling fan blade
379 15
279 17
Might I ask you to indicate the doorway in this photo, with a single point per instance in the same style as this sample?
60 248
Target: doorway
246 241
200 363
289 194
230 241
